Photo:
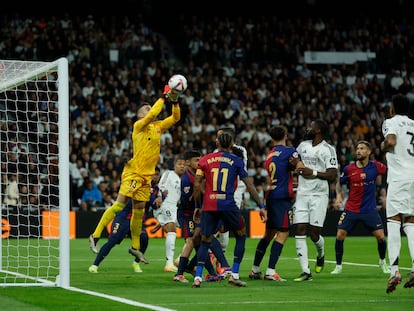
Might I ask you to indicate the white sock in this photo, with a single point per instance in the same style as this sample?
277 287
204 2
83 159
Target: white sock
224 240
302 252
235 276
320 247
170 246
409 232
394 243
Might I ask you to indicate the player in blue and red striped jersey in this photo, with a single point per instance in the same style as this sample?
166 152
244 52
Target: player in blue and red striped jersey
279 163
190 230
360 177
220 170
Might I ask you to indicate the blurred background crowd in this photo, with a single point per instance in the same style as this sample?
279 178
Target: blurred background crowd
248 73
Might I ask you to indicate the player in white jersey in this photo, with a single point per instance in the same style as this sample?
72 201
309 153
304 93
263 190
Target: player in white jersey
398 144
166 214
312 196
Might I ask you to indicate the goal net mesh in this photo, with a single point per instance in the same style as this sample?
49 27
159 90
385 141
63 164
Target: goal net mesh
33 97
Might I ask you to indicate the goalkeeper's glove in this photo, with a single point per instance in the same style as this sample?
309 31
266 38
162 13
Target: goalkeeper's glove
171 94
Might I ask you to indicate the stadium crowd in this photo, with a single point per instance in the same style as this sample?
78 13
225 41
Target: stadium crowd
245 73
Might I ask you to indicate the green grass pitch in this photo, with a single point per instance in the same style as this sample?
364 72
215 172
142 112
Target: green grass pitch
361 286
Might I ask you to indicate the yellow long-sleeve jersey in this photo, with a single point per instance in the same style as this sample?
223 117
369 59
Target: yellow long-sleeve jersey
146 140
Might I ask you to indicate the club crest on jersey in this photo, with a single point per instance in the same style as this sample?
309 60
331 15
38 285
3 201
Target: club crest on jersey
187 189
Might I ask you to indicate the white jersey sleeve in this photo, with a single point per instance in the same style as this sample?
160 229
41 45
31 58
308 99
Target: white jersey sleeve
400 162
171 183
320 158
241 186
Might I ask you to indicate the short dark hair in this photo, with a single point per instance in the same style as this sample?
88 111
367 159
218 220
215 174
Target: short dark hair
364 142
322 126
277 132
225 140
228 129
191 154
401 104
179 156
142 105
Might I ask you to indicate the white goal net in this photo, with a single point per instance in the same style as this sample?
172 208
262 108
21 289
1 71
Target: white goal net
34 129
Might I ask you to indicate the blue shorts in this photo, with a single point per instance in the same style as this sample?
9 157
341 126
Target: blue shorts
279 214
119 230
348 220
187 225
232 220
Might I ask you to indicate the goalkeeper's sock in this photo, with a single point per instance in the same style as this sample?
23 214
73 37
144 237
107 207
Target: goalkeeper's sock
136 226
106 218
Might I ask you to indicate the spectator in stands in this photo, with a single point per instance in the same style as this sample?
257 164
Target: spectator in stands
291 86
11 197
91 197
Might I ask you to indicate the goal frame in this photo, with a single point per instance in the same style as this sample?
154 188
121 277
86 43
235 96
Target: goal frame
62 279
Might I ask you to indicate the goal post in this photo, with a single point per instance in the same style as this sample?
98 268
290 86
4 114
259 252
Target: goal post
35 185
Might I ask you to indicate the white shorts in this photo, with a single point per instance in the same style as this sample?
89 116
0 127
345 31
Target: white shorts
400 198
165 214
238 197
310 209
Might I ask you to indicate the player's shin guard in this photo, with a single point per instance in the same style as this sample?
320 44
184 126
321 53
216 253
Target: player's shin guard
143 241
339 251
136 227
320 246
224 240
275 252
218 252
302 252
394 244
170 246
382 249
409 232
239 249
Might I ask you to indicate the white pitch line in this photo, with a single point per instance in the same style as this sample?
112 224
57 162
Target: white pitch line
119 299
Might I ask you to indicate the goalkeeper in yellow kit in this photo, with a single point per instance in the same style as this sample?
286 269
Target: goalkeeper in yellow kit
138 171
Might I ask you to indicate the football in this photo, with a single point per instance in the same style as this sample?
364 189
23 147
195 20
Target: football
178 82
